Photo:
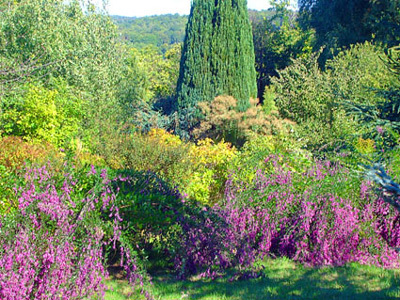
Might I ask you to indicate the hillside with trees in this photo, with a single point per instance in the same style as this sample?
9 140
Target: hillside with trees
230 154
161 30
155 30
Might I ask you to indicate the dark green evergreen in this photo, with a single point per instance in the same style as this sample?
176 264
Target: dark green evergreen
218 54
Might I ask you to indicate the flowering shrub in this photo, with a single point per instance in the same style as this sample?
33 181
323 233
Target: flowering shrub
53 245
216 239
314 222
14 154
55 242
313 216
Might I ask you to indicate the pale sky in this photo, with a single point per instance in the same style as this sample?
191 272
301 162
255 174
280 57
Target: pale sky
140 8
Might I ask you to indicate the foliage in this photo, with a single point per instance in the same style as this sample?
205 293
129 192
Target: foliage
159 152
136 86
167 227
8 181
161 31
251 157
165 71
223 120
70 47
14 155
149 209
199 170
150 75
278 39
15 152
172 230
341 23
54 25
71 93
367 65
269 105
210 162
50 115
316 217
312 216
218 54
156 31
53 243
316 100
379 119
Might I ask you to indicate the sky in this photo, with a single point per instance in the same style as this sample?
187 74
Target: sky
140 8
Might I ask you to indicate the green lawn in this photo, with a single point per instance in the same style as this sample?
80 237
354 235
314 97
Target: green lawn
282 279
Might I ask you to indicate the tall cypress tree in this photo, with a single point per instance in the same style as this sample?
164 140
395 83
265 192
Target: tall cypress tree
218 54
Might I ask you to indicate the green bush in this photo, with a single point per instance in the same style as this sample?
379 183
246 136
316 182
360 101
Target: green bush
318 100
149 208
38 113
252 156
198 170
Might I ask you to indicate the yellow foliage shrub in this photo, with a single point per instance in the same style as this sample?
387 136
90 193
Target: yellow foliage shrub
365 146
210 163
15 152
199 170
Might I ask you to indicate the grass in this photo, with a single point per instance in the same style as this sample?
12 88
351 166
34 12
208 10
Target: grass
282 279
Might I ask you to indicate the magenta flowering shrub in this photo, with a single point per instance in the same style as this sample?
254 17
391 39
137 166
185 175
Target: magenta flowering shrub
218 238
53 245
332 231
322 216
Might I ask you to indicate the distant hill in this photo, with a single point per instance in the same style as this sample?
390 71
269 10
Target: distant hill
155 30
163 29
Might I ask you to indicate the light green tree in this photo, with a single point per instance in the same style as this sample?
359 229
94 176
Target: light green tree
47 41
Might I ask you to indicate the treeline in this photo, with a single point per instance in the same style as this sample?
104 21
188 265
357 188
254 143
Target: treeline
159 33
163 30
155 30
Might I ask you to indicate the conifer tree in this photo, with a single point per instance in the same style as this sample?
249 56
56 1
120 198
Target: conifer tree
218 54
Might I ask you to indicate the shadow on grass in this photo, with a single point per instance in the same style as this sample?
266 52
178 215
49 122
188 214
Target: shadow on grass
286 280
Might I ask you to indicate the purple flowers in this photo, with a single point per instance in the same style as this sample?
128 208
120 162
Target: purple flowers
311 223
53 245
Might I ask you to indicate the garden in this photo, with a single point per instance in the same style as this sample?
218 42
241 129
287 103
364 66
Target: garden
129 175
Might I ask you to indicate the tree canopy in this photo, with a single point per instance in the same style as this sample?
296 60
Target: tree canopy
340 23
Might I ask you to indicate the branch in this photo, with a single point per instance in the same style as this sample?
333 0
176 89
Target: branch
377 174
391 189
